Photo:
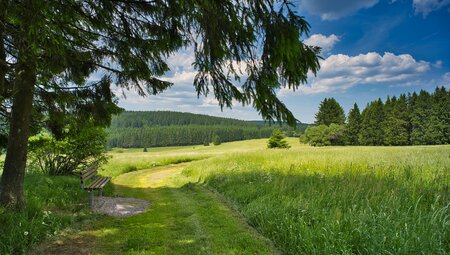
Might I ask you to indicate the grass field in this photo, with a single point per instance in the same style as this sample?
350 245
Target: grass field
241 198
390 200
339 200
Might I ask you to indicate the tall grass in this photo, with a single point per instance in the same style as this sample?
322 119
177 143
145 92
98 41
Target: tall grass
53 203
340 200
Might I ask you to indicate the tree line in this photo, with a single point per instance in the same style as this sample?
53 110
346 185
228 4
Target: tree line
410 119
166 128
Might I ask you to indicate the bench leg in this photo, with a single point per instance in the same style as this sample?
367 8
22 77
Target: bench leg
100 192
91 198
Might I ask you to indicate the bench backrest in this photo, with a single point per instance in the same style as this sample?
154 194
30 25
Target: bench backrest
88 174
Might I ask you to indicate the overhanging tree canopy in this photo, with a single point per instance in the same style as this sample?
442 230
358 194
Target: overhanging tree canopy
51 47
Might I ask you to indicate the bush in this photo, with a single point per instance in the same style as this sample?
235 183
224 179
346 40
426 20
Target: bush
145 150
75 151
206 142
323 135
277 140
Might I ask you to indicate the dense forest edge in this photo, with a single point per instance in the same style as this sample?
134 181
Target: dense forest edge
410 119
142 129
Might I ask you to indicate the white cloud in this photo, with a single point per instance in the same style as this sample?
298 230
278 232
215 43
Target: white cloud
182 61
341 72
324 42
438 64
332 10
446 79
424 7
181 77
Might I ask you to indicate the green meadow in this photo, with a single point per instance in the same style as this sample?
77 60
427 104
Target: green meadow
241 198
339 200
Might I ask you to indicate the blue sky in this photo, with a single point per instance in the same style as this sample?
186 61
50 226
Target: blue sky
371 49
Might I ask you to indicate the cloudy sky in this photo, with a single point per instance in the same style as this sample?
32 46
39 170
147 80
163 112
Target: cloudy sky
370 49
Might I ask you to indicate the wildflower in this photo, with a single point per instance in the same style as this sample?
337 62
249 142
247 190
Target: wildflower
25 233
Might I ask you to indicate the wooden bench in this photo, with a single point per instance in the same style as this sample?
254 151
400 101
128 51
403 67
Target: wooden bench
90 181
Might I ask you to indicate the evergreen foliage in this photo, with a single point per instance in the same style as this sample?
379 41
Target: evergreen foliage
330 111
413 119
421 119
145 150
353 125
372 116
216 140
164 128
396 122
439 129
277 140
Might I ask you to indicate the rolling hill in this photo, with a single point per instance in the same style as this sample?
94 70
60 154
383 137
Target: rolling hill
141 129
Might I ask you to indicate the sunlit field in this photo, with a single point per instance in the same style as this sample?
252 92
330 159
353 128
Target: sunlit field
126 160
322 200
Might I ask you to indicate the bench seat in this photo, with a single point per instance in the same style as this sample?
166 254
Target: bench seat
98 183
90 181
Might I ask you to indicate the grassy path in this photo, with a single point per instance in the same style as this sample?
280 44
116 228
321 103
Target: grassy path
182 219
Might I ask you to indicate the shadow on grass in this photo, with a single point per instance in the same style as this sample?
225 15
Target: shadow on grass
185 220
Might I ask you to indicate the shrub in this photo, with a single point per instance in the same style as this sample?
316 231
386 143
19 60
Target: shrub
145 150
75 151
323 135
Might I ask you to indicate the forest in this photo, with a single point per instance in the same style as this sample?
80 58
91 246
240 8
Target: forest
410 119
165 128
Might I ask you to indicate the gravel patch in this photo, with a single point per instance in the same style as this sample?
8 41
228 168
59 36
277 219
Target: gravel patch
119 206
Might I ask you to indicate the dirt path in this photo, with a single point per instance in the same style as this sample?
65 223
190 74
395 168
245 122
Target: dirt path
182 219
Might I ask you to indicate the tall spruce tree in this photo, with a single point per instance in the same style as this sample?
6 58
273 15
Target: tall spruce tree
330 111
55 46
411 101
353 126
421 119
372 118
396 122
439 128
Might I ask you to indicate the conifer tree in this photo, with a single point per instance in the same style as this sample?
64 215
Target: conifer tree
353 126
277 140
216 140
439 128
421 119
372 119
396 123
330 111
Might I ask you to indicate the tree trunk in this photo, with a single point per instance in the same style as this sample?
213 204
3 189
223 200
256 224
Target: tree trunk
16 154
